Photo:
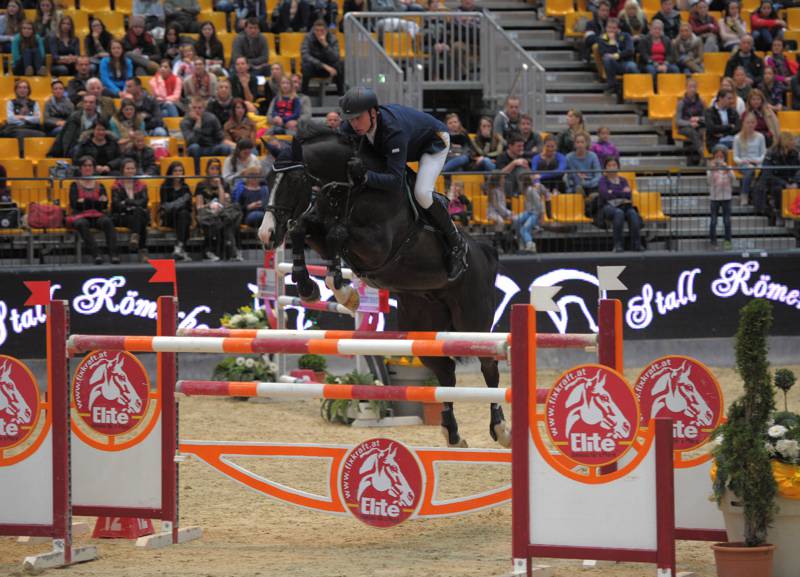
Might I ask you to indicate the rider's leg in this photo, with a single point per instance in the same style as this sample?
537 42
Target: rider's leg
430 166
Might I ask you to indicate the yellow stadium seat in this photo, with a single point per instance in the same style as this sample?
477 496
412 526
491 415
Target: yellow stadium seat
206 6
114 21
637 87
649 205
715 62
9 147
661 106
173 126
399 45
788 199
18 167
792 35
789 121
569 208
226 39
40 86
95 5
44 165
290 43
630 177
81 20
559 8
793 18
6 86
270 38
651 5
37 148
571 19
473 184
218 19
124 6
340 39
480 209
284 61
672 84
750 5
188 164
707 83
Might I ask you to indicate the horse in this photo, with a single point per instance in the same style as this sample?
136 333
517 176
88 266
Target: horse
11 401
381 237
679 396
382 473
590 403
110 382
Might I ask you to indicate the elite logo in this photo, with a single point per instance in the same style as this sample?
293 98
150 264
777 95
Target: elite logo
19 402
592 415
684 390
110 392
381 482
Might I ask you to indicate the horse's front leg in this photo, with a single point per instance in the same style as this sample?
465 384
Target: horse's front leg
306 287
345 294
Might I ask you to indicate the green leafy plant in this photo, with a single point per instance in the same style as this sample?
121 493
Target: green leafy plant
742 456
245 368
312 363
785 380
245 318
338 410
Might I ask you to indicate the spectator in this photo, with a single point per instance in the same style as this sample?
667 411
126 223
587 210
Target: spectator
5 192
216 213
284 110
507 120
10 24
527 222
489 142
146 106
352 6
244 84
167 89
125 124
274 78
690 120
23 117
183 14
595 28
670 18
245 9
319 56
462 149
531 137
152 11
766 119
766 25
115 69
221 105
741 84
209 48
655 52
200 83
783 67
633 22
549 165
749 149
720 190
57 109
251 44
497 212
239 127
575 126
64 48
795 88
731 27
27 52
458 205
583 166
170 45
604 148
617 53
76 88
175 208
327 11
513 164
334 120
104 103
140 47
779 171
705 26
97 44
722 120
183 67
745 57
617 202
306 109
774 90
239 160
82 120
251 193
88 203
202 133
129 206
100 147
291 16
687 50
143 155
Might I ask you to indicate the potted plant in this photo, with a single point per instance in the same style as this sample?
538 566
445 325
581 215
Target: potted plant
784 380
348 411
410 372
315 363
744 485
432 412
246 367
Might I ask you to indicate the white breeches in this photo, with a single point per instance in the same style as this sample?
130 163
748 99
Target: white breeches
430 167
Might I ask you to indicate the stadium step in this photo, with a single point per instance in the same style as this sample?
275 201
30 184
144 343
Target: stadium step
523 36
649 150
749 223
555 79
694 205
739 243
580 99
651 162
591 107
546 57
501 5
559 121
635 141
515 19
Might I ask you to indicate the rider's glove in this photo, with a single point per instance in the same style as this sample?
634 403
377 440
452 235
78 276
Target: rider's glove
357 171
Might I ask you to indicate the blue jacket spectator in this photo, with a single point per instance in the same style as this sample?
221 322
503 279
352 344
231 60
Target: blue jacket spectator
550 166
583 166
115 70
27 52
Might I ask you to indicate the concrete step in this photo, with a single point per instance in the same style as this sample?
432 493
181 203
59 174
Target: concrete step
639 141
746 224
649 150
559 121
651 162
694 205
567 65
553 56
582 99
523 36
589 108
546 44
504 5
745 243
555 79
515 19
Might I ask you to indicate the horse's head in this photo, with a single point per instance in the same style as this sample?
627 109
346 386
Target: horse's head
128 397
400 487
11 400
289 197
696 405
613 418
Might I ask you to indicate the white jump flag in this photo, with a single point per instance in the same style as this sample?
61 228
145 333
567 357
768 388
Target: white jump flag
608 276
542 298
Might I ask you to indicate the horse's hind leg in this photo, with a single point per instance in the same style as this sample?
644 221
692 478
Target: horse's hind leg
498 428
445 370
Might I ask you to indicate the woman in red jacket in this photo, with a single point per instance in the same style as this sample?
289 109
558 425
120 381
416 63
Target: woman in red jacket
766 25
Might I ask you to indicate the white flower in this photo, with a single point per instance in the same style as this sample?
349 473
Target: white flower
235 320
272 368
337 380
770 449
240 361
249 363
377 382
777 431
250 319
716 441
789 448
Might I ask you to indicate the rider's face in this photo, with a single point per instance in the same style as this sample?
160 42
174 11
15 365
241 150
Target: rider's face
361 123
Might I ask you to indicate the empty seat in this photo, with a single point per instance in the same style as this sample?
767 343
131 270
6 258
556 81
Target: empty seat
569 208
788 199
637 87
715 62
672 84
649 206
661 107
37 148
789 121
559 8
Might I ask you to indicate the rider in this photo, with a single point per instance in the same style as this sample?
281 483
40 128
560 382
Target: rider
402 134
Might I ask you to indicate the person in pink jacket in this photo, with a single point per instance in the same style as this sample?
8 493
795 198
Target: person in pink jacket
166 89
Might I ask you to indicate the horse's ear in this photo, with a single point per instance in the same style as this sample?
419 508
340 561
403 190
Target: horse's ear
98 374
574 396
5 371
369 463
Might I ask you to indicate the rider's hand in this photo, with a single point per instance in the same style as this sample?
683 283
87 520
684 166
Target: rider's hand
357 171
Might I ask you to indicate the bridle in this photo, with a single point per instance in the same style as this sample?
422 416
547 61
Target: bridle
278 211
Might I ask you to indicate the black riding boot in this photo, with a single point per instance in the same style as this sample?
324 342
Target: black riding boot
457 248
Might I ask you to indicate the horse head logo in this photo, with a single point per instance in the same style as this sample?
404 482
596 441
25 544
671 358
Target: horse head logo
12 402
675 391
381 472
110 381
589 402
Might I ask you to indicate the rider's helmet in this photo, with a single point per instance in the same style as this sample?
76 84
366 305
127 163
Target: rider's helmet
357 100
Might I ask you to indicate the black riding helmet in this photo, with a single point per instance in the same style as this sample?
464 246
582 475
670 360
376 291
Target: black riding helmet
357 100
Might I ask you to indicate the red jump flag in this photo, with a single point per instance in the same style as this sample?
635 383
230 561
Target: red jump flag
165 272
40 292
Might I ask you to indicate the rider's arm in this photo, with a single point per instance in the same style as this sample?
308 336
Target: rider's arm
396 150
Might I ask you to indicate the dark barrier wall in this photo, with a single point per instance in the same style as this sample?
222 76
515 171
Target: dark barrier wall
681 296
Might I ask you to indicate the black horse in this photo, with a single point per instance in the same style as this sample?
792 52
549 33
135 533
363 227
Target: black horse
382 239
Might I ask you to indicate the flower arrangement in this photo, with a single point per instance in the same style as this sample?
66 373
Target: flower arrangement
341 410
245 318
246 368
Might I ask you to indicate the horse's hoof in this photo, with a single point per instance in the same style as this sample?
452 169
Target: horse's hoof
502 434
460 444
313 296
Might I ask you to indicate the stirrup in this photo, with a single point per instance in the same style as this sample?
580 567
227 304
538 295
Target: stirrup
458 264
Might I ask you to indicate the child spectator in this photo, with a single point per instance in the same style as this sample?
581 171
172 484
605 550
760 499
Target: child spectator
766 25
497 212
251 193
217 214
687 50
731 27
88 203
167 89
783 67
129 206
27 52
550 166
617 206
143 155
458 205
583 166
655 52
284 110
690 120
175 210
527 222
604 148
705 26
749 149
489 142
720 189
